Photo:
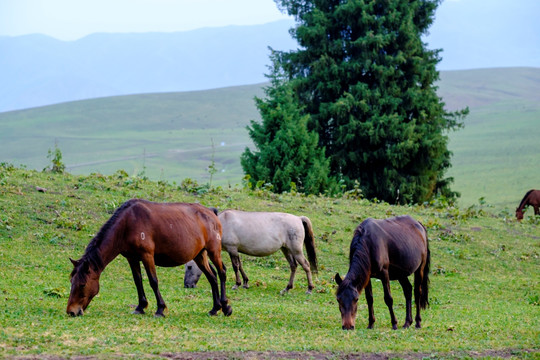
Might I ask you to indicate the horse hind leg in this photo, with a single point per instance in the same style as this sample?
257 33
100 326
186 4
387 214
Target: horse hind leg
293 265
150 267
204 265
305 265
407 292
215 257
417 293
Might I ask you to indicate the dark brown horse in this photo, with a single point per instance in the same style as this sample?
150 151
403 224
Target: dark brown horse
532 197
390 249
162 234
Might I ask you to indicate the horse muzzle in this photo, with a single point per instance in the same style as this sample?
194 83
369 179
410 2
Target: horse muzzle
347 323
75 312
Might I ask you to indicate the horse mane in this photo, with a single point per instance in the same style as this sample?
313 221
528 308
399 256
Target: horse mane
359 258
522 203
91 256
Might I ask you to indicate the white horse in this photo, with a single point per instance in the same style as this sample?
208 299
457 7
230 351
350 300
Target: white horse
262 234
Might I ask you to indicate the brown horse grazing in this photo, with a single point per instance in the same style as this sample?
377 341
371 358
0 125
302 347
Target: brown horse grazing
390 249
532 197
162 234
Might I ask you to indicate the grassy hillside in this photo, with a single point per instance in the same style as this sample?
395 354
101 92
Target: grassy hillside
484 291
497 154
169 136
165 136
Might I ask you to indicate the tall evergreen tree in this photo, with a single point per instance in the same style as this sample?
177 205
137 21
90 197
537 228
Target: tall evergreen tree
287 152
366 79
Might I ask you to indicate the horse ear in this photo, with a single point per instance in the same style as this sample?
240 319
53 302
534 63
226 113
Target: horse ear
74 262
338 279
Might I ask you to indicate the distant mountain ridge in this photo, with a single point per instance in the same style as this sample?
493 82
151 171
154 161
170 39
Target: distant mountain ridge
38 70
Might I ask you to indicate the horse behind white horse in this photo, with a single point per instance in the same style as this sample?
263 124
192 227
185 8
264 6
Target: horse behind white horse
262 234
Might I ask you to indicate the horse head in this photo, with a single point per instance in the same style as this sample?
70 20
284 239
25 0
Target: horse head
192 274
519 214
347 298
84 286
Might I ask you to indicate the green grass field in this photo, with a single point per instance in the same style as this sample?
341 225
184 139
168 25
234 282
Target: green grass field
484 291
175 136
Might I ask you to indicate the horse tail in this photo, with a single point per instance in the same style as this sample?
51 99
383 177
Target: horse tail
309 242
424 301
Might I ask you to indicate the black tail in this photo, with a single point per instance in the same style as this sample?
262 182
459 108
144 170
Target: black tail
309 242
424 292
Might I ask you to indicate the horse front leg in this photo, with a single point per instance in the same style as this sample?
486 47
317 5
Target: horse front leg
150 267
389 301
244 276
137 278
368 292
407 292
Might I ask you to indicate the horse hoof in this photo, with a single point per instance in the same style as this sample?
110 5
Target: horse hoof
235 287
138 312
246 286
308 292
283 292
213 312
159 315
227 311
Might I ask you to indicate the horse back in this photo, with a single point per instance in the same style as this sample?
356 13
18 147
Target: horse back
258 233
174 232
399 243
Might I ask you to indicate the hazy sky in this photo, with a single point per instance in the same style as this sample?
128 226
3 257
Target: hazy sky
73 19
480 30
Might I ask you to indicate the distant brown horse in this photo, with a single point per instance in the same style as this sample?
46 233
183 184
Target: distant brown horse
162 234
532 197
390 249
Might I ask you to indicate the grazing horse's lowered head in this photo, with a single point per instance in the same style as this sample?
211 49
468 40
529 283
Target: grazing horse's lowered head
192 274
532 198
84 286
347 297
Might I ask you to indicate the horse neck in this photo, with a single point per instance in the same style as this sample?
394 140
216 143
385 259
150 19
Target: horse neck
359 268
525 201
104 247
109 249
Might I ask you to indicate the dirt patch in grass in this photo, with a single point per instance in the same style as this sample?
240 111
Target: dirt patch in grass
311 355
